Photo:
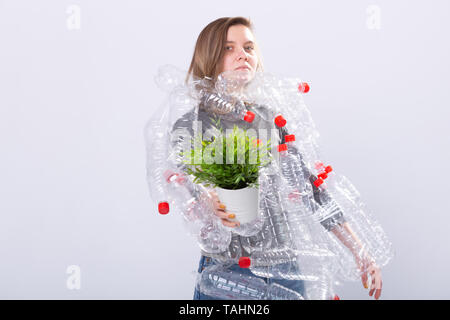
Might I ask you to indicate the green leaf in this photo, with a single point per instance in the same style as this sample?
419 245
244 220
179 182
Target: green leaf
228 176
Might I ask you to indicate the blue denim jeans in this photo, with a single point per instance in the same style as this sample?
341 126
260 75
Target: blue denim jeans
296 285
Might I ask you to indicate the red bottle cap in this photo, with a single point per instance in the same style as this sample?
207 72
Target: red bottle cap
328 169
163 208
318 182
280 121
322 175
282 147
244 262
249 116
303 87
289 137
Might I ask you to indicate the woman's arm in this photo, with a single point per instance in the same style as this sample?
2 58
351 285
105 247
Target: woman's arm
321 197
364 261
336 223
346 235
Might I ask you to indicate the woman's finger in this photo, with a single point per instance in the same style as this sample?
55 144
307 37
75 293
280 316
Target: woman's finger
361 266
229 223
226 215
219 206
374 288
221 214
376 283
378 286
372 284
378 293
364 279
214 196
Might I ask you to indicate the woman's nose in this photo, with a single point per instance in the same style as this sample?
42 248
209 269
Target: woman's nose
242 54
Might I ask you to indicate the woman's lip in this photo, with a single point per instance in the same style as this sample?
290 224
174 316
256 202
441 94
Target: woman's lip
242 68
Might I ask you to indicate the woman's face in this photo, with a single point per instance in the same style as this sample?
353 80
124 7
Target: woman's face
240 51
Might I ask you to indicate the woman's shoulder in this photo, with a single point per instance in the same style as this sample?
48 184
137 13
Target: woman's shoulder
185 120
195 116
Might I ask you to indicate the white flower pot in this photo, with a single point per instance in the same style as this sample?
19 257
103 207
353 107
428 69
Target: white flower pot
244 203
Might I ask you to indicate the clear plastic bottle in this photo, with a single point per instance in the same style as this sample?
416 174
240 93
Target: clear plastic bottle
291 168
262 240
320 288
157 162
373 242
300 189
275 213
291 264
279 264
222 283
228 107
168 77
198 210
289 225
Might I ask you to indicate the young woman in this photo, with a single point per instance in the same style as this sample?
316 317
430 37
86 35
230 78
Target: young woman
228 44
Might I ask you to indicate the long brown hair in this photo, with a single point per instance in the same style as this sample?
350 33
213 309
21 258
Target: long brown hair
210 48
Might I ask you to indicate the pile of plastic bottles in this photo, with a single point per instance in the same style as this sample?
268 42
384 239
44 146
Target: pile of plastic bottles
303 200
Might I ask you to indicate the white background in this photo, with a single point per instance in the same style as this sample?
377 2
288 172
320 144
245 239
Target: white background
74 102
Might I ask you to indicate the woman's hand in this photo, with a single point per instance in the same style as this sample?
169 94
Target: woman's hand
220 211
368 267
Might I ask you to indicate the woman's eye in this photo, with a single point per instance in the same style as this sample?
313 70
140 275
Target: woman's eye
248 48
